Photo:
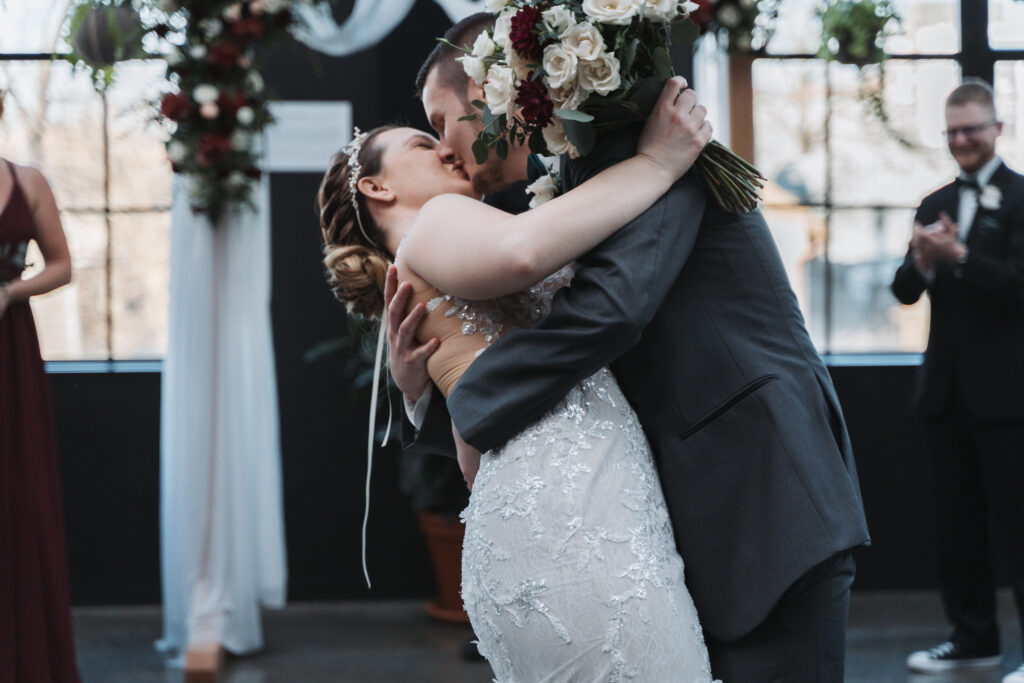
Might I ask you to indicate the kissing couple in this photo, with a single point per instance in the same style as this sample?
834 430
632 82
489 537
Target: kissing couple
626 379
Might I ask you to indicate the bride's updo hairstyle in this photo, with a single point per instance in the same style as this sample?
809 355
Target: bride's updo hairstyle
355 256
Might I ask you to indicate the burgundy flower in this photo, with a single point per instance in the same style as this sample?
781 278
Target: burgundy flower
174 106
224 55
703 15
250 28
523 34
533 97
230 103
213 148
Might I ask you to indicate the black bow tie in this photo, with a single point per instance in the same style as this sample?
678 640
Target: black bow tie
968 183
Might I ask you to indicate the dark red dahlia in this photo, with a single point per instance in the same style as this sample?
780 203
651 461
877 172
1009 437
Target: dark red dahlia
230 103
213 148
174 106
533 97
704 13
250 28
224 55
524 33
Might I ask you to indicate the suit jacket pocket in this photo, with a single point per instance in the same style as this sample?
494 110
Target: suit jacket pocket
728 403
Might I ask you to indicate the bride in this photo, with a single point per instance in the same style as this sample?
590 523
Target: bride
570 570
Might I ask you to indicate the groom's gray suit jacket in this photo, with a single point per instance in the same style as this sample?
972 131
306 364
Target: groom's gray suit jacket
692 309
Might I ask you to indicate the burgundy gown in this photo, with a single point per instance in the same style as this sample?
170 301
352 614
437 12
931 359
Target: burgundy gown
36 645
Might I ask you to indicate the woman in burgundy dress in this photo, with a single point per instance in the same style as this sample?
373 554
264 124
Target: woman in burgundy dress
35 617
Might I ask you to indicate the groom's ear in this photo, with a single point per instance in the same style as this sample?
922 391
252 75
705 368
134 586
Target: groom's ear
373 187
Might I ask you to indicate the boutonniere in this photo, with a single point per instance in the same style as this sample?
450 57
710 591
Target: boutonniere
991 198
546 187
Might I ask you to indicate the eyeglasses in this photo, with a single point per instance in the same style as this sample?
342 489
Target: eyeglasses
967 131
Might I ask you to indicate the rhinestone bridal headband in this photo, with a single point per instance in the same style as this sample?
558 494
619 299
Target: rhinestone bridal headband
355 169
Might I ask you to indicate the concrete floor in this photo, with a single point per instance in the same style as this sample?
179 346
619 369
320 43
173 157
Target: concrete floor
396 641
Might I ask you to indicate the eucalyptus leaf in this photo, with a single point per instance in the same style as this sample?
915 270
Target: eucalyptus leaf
627 55
662 63
574 115
468 117
502 149
581 135
685 31
537 144
480 151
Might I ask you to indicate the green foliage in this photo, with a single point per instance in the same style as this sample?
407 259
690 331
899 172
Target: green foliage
101 34
853 31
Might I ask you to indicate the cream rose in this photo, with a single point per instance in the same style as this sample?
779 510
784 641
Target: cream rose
558 19
600 75
205 93
556 140
474 67
661 10
232 12
500 89
688 8
619 12
559 65
210 110
494 6
245 116
542 189
503 27
240 141
584 41
569 96
176 152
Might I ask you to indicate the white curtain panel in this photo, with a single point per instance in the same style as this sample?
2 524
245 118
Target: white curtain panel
369 23
460 9
221 514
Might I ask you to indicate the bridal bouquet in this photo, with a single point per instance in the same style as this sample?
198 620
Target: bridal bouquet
556 72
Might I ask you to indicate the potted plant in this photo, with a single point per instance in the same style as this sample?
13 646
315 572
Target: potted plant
854 31
102 33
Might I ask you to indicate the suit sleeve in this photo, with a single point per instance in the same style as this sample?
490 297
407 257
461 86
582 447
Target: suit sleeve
436 434
617 289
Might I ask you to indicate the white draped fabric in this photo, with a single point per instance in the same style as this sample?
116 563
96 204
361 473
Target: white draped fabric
460 9
369 23
221 516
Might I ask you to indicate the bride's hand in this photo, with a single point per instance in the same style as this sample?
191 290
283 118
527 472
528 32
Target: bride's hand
469 458
677 130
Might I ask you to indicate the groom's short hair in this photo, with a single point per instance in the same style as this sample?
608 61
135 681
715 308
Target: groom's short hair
442 57
973 90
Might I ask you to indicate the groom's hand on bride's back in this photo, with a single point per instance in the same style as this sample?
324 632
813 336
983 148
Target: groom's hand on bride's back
407 357
677 130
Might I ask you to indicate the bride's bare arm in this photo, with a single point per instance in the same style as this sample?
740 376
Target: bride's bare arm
474 251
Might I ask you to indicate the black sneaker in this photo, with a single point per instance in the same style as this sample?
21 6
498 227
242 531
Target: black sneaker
949 657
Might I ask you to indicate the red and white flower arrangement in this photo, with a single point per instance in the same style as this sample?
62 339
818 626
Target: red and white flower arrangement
556 72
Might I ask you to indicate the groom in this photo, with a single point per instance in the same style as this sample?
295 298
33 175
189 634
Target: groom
691 308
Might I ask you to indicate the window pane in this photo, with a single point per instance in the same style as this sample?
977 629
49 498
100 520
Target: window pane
928 27
1006 24
865 249
141 258
869 165
789 123
72 321
32 25
1009 88
799 232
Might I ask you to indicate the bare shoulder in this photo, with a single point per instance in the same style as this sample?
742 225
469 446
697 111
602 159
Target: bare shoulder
33 183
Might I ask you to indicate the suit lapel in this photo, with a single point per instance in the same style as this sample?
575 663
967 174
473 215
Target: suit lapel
988 219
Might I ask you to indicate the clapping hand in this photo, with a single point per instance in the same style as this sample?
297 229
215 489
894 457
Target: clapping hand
937 243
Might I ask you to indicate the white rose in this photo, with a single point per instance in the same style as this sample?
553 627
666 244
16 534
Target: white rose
205 93
210 110
197 51
661 10
500 89
558 19
174 57
237 179
569 96
232 12
176 152
240 141
255 81
559 65
991 198
520 66
688 8
543 190
584 41
274 6
484 46
600 75
730 16
211 28
556 141
256 7
503 27
245 115
619 12
494 6
167 6
474 67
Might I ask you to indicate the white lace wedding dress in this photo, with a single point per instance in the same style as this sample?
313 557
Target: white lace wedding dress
569 567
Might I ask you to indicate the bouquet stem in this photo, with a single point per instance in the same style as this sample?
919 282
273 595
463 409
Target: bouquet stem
735 184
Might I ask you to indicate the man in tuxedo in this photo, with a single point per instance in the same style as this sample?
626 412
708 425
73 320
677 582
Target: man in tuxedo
692 309
967 251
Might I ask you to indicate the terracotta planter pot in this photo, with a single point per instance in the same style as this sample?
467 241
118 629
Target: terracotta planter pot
444 538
